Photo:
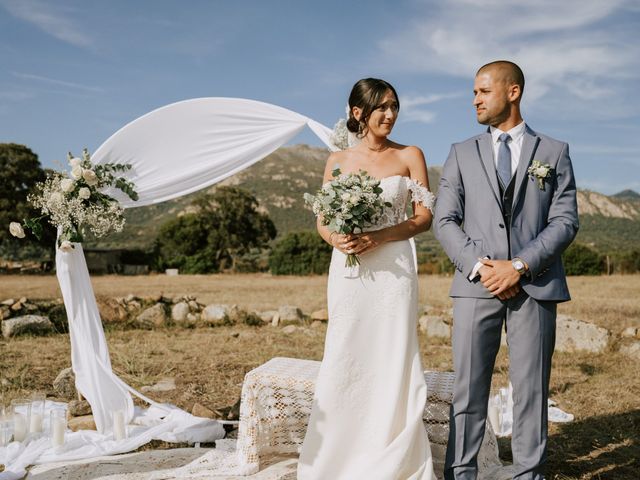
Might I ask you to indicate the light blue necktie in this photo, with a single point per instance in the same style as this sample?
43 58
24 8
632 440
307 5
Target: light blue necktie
504 160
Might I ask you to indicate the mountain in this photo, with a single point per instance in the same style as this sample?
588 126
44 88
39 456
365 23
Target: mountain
279 181
627 195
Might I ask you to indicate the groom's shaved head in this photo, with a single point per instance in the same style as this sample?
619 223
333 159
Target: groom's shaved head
506 71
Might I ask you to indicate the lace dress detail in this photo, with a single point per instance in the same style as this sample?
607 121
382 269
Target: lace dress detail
399 191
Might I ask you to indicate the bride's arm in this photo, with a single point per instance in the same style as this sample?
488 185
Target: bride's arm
422 216
336 240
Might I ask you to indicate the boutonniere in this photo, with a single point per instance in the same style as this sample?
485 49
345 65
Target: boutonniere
539 171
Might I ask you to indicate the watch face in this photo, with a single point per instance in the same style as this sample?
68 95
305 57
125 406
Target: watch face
518 265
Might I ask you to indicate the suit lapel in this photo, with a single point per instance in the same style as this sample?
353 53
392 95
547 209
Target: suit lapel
485 150
530 143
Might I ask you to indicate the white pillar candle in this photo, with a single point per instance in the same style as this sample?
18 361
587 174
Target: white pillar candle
36 423
58 427
19 427
119 428
494 417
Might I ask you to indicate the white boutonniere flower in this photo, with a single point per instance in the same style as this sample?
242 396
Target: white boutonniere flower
539 171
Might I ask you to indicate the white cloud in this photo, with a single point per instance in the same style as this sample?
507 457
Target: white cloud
60 83
411 106
561 46
48 19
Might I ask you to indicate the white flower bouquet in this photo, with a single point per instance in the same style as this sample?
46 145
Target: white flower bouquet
74 203
347 204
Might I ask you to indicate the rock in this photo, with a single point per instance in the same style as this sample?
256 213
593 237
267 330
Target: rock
152 317
130 298
193 317
23 300
193 305
317 324
267 316
236 315
133 306
321 315
290 315
216 314
630 348
435 326
180 311
34 324
574 335
202 411
631 332
79 408
65 384
275 321
111 310
8 302
164 385
84 422
5 312
16 306
289 329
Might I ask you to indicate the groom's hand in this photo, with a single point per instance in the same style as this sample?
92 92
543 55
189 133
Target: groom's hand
500 278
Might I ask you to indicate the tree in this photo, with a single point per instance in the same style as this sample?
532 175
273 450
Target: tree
580 259
20 170
226 225
300 253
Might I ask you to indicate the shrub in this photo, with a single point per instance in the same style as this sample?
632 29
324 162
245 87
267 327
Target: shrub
300 253
580 259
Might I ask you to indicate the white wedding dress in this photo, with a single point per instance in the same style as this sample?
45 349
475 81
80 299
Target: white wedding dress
366 421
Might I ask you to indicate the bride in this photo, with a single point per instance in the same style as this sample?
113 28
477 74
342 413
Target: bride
366 421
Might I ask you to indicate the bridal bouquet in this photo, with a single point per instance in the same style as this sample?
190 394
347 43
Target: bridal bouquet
347 204
75 202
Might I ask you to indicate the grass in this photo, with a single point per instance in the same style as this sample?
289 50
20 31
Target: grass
602 391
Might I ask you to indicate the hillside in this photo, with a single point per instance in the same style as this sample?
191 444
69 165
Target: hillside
608 223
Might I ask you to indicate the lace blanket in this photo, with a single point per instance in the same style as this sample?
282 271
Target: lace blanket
276 403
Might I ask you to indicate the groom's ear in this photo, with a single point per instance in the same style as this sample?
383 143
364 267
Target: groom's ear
514 92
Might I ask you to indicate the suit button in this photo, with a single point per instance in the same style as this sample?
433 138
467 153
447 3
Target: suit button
501 225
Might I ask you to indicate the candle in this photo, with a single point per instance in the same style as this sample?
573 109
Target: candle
58 427
119 428
36 423
494 417
19 427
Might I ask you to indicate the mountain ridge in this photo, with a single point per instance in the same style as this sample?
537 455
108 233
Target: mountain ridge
280 180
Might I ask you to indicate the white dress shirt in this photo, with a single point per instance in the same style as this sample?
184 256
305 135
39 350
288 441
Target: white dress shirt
515 145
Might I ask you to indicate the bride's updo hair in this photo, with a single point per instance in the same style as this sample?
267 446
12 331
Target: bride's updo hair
367 95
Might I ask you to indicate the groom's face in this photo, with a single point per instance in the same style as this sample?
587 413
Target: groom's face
491 98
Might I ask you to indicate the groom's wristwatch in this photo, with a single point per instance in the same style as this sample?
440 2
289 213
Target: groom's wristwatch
519 265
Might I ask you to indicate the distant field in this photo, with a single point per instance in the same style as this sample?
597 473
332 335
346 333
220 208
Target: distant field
613 302
209 364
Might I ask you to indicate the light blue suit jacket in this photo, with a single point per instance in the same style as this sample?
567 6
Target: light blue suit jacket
469 222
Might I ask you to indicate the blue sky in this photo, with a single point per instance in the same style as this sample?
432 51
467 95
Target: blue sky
74 72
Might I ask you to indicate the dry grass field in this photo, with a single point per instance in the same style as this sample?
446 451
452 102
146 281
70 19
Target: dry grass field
602 391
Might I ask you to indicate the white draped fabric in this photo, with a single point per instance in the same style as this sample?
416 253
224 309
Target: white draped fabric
174 150
187 146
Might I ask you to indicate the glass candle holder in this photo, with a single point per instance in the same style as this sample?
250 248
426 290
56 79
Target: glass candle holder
119 425
494 412
37 413
21 410
57 426
6 427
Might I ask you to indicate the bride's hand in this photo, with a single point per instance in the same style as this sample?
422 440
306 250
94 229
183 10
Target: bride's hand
367 242
347 244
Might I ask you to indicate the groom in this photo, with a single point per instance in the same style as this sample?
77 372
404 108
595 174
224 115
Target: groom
506 210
